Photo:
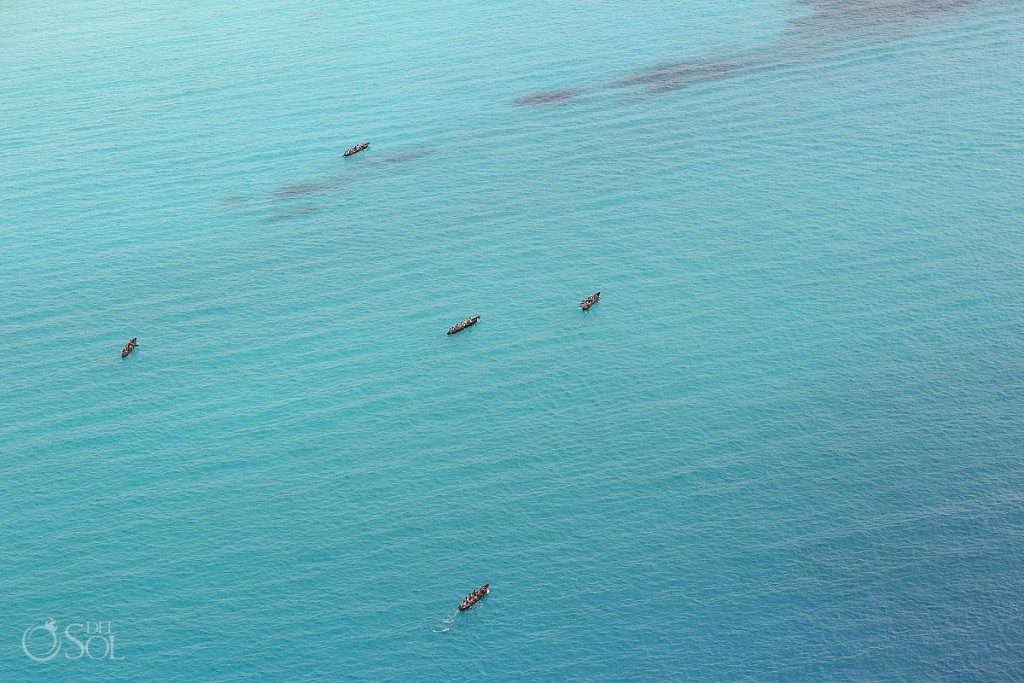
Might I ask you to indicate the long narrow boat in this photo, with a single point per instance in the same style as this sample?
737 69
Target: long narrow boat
129 347
468 322
357 149
475 597
590 301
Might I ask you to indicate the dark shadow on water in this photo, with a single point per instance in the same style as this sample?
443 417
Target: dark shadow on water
829 25
402 157
295 191
674 75
850 16
823 30
300 190
547 98
294 213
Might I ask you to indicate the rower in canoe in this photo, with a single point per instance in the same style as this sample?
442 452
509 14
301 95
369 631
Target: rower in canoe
590 301
475 597
129 347
357 149
468 322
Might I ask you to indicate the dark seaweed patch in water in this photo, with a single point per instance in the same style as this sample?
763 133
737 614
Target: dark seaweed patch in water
547 98
306 189
293 213
867 13
810 37
403 157
673 75
295 191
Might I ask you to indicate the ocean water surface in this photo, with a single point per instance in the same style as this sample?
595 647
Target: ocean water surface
786 445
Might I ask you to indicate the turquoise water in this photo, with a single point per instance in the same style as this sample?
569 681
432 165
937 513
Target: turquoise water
786 444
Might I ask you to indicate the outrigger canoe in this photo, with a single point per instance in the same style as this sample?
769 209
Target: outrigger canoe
590 301
468 322
475 597
355 150
129 347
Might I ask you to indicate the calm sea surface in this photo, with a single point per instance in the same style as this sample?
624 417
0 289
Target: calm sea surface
788 443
